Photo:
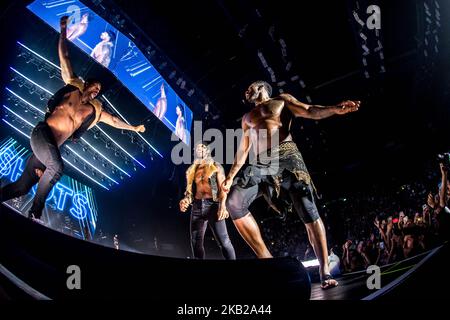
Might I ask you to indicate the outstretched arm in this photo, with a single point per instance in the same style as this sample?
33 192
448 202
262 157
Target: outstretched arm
66 67
115 122
241 156
316 112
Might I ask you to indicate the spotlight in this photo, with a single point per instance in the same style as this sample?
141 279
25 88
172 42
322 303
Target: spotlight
97 134
133 139
117 153
75 160
95 157
108 145
84 167
104 164
134 168
113 171
84 148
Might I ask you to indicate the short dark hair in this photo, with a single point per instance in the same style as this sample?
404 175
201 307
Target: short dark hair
266 85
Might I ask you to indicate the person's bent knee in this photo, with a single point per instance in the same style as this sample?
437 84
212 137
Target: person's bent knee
56 169
236 206
311 217
305 205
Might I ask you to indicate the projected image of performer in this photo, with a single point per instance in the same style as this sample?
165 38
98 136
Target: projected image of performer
78 29
103 50
279 166
161 105
204 178
180 127
70 112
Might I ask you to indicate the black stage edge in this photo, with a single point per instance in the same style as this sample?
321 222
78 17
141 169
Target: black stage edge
39 258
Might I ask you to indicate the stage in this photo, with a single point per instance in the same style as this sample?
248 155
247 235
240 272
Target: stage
34 259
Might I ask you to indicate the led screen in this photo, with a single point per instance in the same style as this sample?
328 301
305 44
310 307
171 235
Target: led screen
70 206
115 51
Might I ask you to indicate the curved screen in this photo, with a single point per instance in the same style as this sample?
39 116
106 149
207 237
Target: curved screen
115 51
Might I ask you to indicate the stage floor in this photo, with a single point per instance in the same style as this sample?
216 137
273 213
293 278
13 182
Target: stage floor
353 286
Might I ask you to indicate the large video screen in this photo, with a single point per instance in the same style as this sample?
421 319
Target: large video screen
118 53
71 206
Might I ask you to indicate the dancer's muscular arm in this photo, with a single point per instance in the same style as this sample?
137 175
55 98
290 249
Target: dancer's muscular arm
316 112
115 122
241 156
222 212
66 66
188 196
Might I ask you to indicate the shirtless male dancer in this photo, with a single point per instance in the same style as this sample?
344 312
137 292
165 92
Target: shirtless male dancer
71 112
204 178
279 169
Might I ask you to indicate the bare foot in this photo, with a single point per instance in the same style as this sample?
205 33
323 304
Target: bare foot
329 283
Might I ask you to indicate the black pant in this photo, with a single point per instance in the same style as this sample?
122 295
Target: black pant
46 157
205 212
302 196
